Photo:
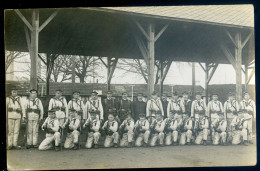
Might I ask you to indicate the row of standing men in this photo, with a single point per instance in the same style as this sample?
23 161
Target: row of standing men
177 111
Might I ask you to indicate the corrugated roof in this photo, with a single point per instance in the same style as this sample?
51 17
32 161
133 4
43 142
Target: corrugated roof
237 15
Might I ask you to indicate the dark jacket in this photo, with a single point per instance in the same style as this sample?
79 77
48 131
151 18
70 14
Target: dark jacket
139 107
165 105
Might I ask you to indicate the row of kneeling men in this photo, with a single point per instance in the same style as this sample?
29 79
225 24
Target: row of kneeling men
174 130
188 118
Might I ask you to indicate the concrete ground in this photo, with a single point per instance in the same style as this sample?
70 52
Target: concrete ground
171 156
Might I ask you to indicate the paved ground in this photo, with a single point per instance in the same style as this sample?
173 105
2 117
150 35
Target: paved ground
173 156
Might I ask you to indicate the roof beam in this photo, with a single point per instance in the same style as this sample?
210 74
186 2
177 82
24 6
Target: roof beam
202 67
143 49
42 59
251 75
28 41
229 56
231 38
102 61
48 20
26 22
212 72
142 30
161 32
246 40
168 65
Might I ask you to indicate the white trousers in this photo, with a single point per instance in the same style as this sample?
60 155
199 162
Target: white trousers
202 135
249 125
126 138
47 142
32 132
111 139
142 138
171 136
13 131
216 137
92 138
155 137
230 117
71 139
186 137
238 135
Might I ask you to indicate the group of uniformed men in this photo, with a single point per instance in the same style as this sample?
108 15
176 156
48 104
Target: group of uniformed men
178 121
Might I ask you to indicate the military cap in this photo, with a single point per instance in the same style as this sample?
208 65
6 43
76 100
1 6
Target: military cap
141 115
175 93
76 91
185 92
59 90
154 93
164 94
32 90
14 88
140 94
214 94
245 93
109 92
51 111
124 93
94 92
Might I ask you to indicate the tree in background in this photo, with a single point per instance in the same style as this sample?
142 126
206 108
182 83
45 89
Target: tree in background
10 57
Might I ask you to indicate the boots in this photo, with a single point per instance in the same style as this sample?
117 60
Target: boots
76 146
188 143
115 145
245 143
17 147
145 145
57 148
96 146
204 142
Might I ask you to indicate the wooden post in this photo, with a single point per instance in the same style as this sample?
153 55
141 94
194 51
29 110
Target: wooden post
238 56
151 59
48 75
193 81
34 48
246 76
108 72
161 77
206 81
73 69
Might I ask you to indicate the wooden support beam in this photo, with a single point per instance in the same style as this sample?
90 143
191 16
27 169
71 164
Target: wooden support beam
229 56
212 73
151 58
246 40
238 55
28 41
48 20
41 58
161 32
142 30
34 48
206 81
168 65
246 76
161 66
251 63
202 67
242 69
73 74
143 49
231 38
111 63
26 22
193 81
102 61
250 76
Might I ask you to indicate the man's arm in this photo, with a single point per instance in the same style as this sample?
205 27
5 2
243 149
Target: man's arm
66 107
101 111
41 109
161 106
192 108
225 110
148 108
50 104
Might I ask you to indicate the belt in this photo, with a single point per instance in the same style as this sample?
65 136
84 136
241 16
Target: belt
156 111
33 110
176 111
60 108
14 110
201 112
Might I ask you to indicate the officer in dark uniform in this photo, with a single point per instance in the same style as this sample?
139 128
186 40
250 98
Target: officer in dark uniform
109 104
165 104
139 106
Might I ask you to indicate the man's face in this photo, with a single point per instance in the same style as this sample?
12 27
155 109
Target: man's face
171 115
58 93
51 115
110 117
33 95
140 97
221 117
76 95
124 96
215 97
154 96
164 97
14 92
247 96
128 117
72 114
231 98
158 117
185 96
94 96
109 95
174 97
198 97
93 116
142 118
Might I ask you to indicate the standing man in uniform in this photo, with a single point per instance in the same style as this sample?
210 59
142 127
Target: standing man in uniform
185 104
15 113
125 107
231 109
165 104
198 110
95 105
51 126
154 106
174 106
109 104
247 107
215 110
34 116
139 106
78 105
59 104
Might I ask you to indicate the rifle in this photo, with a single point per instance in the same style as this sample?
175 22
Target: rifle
167 126
121 130
137 129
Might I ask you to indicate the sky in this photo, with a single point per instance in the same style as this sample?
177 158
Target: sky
179 74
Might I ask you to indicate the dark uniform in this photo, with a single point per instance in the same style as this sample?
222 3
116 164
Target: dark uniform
165 104
110 104
125 107
139 107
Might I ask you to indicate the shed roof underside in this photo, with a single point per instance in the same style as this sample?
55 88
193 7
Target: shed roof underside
108 32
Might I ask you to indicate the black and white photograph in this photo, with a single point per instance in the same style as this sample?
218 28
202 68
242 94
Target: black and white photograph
130 87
